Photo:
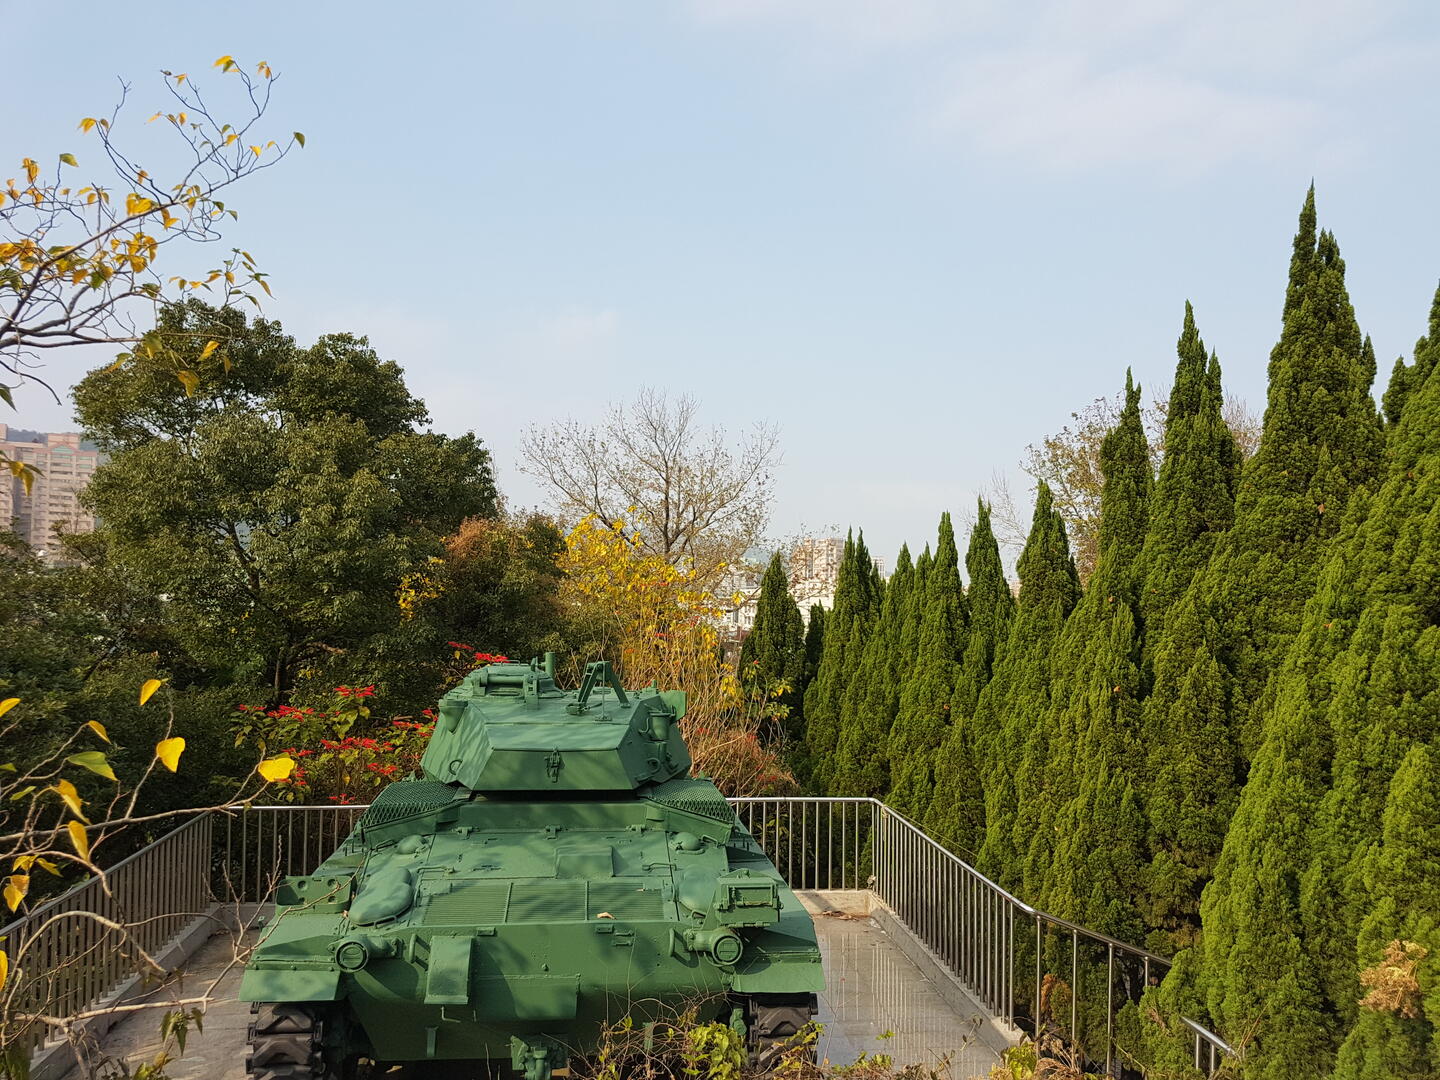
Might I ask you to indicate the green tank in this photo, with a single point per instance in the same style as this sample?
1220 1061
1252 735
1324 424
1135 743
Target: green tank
553 870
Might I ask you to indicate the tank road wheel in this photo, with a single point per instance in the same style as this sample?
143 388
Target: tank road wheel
287 1043
772 1022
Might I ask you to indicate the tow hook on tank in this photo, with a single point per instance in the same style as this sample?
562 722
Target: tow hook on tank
724 947
537 1056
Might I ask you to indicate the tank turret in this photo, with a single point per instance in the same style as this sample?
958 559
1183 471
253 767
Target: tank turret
554 868
507 728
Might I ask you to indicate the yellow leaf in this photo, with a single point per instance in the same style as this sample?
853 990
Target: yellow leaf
148 688
210 347
189 379
48 866
169 751
99 729
15 890
277 768
8 704
225 63
4 968
24 862
79 839
68 159
70 797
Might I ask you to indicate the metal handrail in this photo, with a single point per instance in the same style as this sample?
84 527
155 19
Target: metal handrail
969 923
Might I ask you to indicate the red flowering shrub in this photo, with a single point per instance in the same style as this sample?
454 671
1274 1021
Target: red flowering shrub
334 763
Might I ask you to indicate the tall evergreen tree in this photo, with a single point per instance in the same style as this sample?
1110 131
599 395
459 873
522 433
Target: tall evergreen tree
957 808
814 646
1382 694
1397 1033
1008 724
1321 443
1192 783
847 628
773 653
923 719
1086 852
873 696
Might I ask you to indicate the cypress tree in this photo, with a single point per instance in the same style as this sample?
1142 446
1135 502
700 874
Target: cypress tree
873 696
773 653
956 814
923 719
1381 693
1397 1033
1086 852
1192 784
847 628
814 646
1405 379
991 606
1320 444
1321 441
1009 735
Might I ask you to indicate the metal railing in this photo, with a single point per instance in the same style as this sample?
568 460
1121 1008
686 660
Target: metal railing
71 951
1037 972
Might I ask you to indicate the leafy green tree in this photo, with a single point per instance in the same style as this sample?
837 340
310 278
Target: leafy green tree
956 813
1192 764
1010 733
279 509
923 718
773 653
873 695
847 627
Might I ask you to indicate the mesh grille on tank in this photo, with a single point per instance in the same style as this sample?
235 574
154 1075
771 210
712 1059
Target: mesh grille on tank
546 901
623 900
482 903
694 796
407 797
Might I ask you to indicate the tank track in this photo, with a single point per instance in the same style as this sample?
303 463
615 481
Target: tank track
773 1024
286 1044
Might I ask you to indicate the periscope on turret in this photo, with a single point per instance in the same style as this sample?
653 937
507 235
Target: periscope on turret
554 869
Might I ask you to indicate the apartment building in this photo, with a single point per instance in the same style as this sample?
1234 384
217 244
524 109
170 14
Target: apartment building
65 466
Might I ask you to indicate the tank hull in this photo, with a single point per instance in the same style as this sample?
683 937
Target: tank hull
530 922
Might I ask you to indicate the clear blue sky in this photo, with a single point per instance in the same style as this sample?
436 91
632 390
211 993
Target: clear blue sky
915 234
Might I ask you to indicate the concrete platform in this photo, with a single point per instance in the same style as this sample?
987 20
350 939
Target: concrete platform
877 1002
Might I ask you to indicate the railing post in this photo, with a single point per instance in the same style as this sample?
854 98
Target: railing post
1039 976
1109 1007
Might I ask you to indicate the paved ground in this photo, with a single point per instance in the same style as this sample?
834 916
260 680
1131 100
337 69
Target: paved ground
877 1001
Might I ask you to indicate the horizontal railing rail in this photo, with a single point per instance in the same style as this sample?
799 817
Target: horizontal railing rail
1037 972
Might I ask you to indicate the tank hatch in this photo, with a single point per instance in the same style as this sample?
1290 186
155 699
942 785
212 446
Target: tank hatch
508 728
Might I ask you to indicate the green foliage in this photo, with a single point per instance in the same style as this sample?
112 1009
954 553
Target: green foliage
1192 783
772 657
1284 910
956 813
1010 735
923 719
857 602
1086 848
1397 1032
872 697
279 508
